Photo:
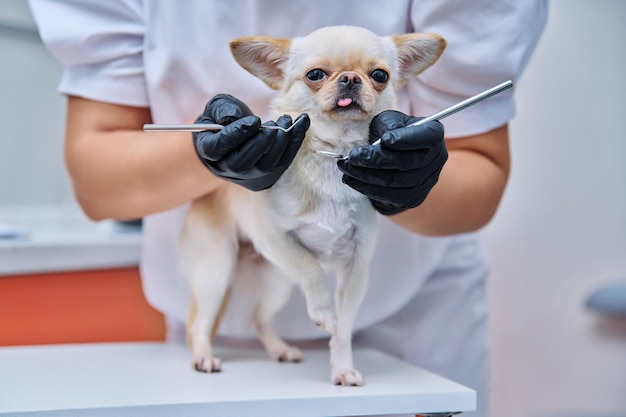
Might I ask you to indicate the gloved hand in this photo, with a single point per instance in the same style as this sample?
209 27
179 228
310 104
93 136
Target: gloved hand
242 153
399 173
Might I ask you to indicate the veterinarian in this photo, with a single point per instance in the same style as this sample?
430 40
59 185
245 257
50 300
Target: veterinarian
128 62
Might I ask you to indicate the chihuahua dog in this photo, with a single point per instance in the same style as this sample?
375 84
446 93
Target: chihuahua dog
309 223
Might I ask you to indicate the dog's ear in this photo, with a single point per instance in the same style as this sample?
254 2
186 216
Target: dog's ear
263 57
416 52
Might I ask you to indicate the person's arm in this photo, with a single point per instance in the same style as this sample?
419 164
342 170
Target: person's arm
120 172
469 189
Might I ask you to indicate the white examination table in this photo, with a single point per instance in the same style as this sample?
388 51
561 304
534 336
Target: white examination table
156 379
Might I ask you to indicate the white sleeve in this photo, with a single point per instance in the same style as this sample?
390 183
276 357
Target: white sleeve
489 42
99 44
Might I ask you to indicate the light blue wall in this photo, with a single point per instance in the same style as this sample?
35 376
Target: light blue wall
561 229
32 114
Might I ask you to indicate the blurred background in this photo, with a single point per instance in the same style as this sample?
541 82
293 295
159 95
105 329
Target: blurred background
560 233
559 236
32 114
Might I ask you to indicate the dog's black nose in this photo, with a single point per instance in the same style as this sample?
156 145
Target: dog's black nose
349 79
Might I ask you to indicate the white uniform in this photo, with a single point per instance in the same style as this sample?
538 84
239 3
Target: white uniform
426 300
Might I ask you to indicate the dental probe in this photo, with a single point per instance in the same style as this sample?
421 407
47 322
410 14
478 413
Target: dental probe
441 114
462 105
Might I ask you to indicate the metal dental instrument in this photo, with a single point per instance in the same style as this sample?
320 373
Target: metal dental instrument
441 114
201 127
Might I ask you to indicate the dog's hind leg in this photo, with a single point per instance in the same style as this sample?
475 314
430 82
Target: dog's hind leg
274 291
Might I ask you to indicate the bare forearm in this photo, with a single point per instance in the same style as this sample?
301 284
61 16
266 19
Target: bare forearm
120 172
469 190
129 174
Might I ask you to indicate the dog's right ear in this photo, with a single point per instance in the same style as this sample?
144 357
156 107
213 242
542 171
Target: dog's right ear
263 57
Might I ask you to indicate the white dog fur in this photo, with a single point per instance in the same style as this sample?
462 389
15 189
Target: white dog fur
309 222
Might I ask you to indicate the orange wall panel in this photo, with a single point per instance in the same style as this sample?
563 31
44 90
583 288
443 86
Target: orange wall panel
76 307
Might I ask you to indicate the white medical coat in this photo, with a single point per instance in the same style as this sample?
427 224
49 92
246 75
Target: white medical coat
427 300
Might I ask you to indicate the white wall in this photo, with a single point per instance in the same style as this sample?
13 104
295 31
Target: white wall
561 230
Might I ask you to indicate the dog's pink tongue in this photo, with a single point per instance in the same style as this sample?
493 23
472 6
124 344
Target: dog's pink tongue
344 102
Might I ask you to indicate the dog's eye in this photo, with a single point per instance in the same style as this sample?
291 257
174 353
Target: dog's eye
380 76
315 75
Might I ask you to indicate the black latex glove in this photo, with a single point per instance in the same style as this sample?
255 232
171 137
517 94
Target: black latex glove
399 173
242 153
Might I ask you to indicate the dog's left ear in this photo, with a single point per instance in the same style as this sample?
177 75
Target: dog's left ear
263 57
416 52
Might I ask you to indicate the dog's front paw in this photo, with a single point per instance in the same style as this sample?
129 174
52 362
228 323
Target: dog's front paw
207 364
325 319
347 378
